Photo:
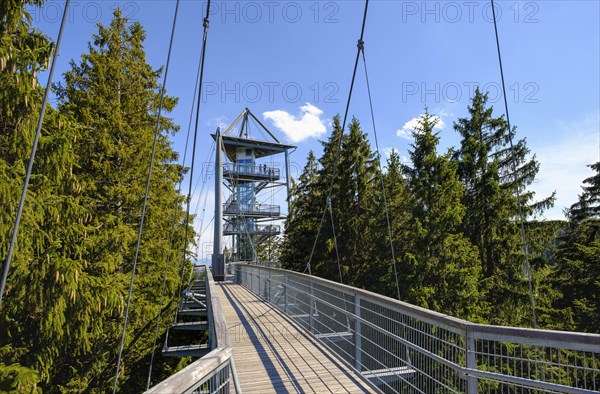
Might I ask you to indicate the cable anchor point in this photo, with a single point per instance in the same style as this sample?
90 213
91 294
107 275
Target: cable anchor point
361 45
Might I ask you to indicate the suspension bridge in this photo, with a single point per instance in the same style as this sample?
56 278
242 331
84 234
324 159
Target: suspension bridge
274 330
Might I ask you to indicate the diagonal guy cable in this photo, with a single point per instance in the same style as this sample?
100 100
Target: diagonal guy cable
385 203
514 165
339 145
206 23
145 203
162 290
36 139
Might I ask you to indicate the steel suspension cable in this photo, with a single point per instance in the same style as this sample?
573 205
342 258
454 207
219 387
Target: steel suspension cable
173 227
205 181
204 176
516 179
36 139
145 203
185 152
167 263
205 24
339 144
385 204
335 244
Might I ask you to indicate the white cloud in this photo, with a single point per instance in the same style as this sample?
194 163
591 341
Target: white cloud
445 113
220 121
297 128
408 128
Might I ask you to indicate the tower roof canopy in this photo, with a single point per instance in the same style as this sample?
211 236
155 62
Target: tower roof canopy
240 134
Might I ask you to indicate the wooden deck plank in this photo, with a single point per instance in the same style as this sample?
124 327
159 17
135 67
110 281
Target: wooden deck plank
274 355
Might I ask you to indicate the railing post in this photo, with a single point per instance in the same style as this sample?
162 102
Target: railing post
268 287
209 313
285 295
471 361
357 334
234 375
311 309
255 286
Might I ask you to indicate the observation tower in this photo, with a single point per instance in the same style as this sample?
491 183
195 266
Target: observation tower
246 172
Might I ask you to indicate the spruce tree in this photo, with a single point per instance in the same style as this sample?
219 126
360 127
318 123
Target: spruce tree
114 94
325 262
312 190
441 264
486 167
398 204
62 319
578 258
588 206
32 315
351 216
302 220
355 209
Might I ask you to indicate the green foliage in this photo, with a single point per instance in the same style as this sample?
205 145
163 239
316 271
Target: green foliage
454 225
399 200
588 205
490 171
268 248
62 317
12 13
16 379
441 265
578 258
354 215
302 219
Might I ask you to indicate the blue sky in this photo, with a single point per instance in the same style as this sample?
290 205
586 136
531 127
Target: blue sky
291 62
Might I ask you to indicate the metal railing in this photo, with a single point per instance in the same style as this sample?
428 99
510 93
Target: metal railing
262 171
259 229
235 208
215 372
402 348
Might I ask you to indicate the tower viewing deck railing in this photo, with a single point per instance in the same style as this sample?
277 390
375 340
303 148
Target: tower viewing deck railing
402 348
262 210
262 171
258 229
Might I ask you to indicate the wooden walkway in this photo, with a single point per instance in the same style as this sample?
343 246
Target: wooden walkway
274 355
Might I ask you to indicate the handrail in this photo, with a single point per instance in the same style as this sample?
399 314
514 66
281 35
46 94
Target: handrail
252 229
402 347
261 170
214 365
251 208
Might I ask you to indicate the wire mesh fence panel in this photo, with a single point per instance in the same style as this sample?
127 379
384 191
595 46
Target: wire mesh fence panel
536 360
401 348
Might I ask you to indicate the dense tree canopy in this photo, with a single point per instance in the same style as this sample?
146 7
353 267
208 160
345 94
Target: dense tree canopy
578 257
491 170
455 225
63 311
441 264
